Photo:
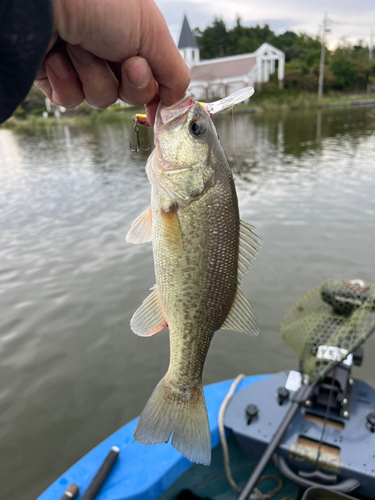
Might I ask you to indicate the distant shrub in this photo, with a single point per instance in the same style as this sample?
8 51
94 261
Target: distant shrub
34 100
343 71
20 113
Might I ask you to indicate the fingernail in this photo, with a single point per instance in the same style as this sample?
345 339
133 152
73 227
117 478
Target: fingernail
83 56
59 67
139 74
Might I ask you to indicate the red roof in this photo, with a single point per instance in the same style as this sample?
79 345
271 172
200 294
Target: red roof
223 68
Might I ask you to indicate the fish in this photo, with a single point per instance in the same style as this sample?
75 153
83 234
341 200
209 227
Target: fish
201 251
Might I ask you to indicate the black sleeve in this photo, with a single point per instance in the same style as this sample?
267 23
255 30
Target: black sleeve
25 30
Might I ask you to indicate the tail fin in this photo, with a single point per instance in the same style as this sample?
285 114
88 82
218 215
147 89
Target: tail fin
187 418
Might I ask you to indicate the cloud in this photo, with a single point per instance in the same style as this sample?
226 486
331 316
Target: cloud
350 19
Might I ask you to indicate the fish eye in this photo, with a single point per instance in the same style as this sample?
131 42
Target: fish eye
197 128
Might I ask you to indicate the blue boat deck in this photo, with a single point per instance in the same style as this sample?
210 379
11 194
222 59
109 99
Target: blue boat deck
211 482
146 472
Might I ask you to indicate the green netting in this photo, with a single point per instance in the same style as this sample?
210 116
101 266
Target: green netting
336 313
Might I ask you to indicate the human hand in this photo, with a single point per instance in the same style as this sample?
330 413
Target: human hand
102 50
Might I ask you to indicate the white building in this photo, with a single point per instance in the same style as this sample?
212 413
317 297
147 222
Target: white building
222 76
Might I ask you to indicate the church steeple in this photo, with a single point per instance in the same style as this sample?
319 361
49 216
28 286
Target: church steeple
187 44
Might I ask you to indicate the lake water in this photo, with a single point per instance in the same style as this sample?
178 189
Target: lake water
71 371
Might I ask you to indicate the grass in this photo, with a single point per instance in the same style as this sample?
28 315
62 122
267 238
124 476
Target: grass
262 102
73 120
280 102
286 101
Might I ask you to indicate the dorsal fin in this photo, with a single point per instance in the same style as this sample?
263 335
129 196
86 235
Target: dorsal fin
141 229
248 248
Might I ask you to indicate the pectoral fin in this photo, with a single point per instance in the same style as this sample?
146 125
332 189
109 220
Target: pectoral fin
148 318
141 229
248 248
241 317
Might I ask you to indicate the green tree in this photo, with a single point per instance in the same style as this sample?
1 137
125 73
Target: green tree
245 39
285 42
34 100
343 71
214 40
306 41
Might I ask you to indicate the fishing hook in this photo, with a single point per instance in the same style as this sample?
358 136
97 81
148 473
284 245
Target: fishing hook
138 144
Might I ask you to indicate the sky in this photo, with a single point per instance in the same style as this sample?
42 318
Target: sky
349 20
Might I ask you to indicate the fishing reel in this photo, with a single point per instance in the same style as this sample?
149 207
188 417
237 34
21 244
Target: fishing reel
335 390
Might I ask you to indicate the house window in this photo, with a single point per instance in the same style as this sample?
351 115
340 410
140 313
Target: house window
193 55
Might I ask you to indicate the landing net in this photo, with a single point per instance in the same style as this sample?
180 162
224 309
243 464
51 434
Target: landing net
328 323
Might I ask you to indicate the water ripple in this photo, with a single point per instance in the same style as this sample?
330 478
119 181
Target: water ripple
71 371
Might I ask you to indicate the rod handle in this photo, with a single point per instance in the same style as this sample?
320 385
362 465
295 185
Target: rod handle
71 492
101 475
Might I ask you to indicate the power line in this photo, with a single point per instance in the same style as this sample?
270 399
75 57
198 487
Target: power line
350 23
368 25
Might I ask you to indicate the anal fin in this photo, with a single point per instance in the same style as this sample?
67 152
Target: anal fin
241 317
148 319
141 229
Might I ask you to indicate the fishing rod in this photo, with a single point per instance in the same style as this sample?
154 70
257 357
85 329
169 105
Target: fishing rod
298 400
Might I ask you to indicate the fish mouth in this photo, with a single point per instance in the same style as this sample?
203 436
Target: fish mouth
175 115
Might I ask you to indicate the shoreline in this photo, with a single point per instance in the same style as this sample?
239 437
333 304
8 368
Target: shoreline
321 105
275 104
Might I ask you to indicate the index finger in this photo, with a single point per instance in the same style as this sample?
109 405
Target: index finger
166 63
116 31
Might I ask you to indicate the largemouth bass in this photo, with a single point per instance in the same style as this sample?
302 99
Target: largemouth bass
201 253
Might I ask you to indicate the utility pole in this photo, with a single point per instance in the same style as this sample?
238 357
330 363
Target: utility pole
344 43
369 85
371 44
322 57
